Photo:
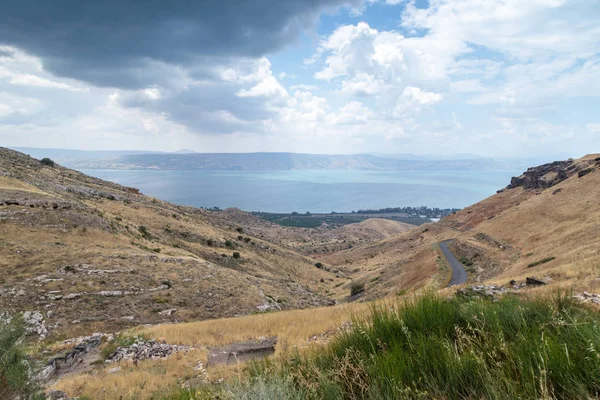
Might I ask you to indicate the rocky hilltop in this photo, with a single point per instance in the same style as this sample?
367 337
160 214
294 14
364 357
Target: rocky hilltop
548 175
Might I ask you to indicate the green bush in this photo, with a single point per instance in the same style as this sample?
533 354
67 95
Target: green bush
48 162
431 348
228 243
236 255
356 288
540 262
319 265
145 233
14 368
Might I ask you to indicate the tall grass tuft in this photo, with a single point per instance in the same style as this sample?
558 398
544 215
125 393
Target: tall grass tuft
431 347
435 348
15 373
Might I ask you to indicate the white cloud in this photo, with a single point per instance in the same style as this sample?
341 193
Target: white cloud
362 84
420 96
469 75
268 87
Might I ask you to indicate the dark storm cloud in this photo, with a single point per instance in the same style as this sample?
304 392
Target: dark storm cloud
6 53
111 42
200 106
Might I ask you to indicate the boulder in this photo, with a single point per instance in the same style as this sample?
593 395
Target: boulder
534 281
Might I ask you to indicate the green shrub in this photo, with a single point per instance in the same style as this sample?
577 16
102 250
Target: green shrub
240 230
228 243
540 262
356 288
466 262
14 368
236 255
144 231
319 265
48 162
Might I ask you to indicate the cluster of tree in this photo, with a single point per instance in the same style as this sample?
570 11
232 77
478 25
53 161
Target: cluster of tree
423 210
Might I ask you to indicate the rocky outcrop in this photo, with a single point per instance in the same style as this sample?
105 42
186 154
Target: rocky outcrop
243 351
548 175
54 204
106 293
543 176
70 360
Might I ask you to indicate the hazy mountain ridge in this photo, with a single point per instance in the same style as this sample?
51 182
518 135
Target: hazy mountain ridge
270 161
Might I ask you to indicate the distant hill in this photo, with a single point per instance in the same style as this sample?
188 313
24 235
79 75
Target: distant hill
182 160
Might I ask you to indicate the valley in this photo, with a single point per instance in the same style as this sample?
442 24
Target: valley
81 255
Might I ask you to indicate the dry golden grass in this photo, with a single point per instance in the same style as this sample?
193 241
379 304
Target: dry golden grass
7 183
292 328
150 378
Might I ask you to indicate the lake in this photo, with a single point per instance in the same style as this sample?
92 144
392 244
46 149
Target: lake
313 190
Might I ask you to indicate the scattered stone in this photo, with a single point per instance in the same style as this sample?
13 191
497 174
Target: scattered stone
142 350
114 370
111 293
34 321
482 290
56 395
46 279
586 297
168 313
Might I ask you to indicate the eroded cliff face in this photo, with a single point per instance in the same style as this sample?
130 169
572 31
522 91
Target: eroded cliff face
548 175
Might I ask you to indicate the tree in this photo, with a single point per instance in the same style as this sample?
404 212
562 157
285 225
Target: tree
48 162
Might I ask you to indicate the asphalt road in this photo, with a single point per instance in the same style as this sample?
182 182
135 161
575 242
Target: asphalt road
459 275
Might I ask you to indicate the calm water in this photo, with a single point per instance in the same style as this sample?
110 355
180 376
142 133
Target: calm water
314 191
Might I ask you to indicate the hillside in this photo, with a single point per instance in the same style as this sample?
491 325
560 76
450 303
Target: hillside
93 255
544 223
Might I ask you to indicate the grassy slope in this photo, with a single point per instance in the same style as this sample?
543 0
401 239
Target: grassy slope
77 220
434 348
408 261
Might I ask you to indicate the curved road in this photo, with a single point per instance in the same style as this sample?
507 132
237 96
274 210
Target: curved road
459 275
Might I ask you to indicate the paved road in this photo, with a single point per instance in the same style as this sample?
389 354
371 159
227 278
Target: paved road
459 275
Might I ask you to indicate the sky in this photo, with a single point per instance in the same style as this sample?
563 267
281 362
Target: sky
498 78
